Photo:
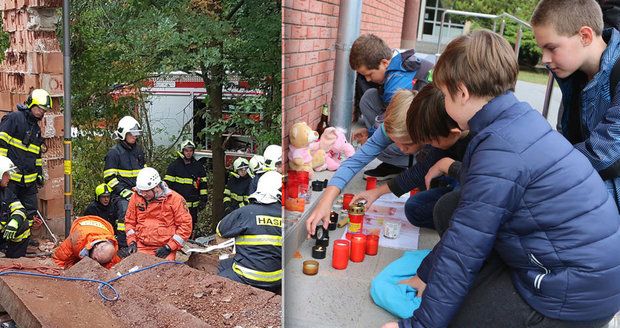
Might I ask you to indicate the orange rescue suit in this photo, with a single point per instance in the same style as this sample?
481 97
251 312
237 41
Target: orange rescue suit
153 224
85 233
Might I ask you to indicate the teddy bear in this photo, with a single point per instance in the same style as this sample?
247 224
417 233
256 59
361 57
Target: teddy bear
299 155
333 143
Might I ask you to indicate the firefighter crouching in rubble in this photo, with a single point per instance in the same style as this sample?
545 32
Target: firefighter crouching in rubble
188 177
106 206
21 142
122 164
237 187
14 226
90 236
157 219
257 229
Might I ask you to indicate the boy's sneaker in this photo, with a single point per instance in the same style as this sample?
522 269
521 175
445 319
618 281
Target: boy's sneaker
383 171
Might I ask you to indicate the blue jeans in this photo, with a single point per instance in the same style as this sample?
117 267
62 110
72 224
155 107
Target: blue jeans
419 207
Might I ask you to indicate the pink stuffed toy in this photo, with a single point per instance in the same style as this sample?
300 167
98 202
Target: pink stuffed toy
334 143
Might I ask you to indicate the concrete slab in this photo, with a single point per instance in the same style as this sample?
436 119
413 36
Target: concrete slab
45 302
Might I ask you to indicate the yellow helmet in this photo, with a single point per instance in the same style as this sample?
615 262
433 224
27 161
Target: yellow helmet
39 97
103 190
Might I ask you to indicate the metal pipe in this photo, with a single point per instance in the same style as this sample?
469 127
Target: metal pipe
409 32
460 13
349 21
518 41
502 27
67 115
548 92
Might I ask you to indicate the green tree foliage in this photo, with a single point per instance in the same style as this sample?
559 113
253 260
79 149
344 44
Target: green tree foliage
117 45
4 41
529 53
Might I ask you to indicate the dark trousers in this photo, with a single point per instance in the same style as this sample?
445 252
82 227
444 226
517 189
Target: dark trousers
27 195
419 207
492 300
14 250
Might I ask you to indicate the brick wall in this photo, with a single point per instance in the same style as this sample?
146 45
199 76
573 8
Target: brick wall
309 29
33 60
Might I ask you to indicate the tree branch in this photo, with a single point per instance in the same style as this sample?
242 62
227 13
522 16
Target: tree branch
234 10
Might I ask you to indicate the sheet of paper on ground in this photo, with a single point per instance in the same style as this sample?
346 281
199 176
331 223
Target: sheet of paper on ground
391 208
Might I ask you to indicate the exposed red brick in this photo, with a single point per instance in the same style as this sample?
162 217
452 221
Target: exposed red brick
53 62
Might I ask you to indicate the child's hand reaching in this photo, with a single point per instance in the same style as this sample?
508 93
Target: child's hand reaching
371 195
440 168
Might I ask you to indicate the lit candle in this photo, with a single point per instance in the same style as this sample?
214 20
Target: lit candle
372 244
358 247
340 257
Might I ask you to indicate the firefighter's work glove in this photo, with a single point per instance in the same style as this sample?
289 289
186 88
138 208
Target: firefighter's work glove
40 181
163 251
10 232
126 193
132 248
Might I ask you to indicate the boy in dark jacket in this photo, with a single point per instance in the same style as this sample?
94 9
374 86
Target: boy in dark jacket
372 58
582 56
428 123
529 241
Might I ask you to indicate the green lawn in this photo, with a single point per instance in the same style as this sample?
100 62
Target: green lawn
534 77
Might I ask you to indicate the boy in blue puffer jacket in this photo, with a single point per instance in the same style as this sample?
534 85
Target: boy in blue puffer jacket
581 56
372 58
529 243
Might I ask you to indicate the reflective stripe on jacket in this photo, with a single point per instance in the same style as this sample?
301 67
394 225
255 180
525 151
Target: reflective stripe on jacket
85 233
122 164
12 208
165 221
189 180
20 141
237 189
257 229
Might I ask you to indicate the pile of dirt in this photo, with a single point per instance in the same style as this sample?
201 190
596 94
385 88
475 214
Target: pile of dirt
177 295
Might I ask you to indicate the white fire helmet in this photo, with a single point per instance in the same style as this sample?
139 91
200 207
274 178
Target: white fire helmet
126 125
269 188
257 163
273 156
148 178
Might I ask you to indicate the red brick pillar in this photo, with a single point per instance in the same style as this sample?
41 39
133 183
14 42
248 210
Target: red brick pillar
34 60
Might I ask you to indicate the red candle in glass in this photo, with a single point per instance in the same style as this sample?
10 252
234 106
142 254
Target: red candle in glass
292 184
303 181
348 236
340 257
346 200
371 183
358 247
372 244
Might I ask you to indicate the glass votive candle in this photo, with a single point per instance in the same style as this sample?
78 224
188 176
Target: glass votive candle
340 256
358 247
372 244
346 200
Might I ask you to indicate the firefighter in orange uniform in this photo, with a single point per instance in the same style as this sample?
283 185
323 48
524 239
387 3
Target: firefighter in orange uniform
157 219
90 236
